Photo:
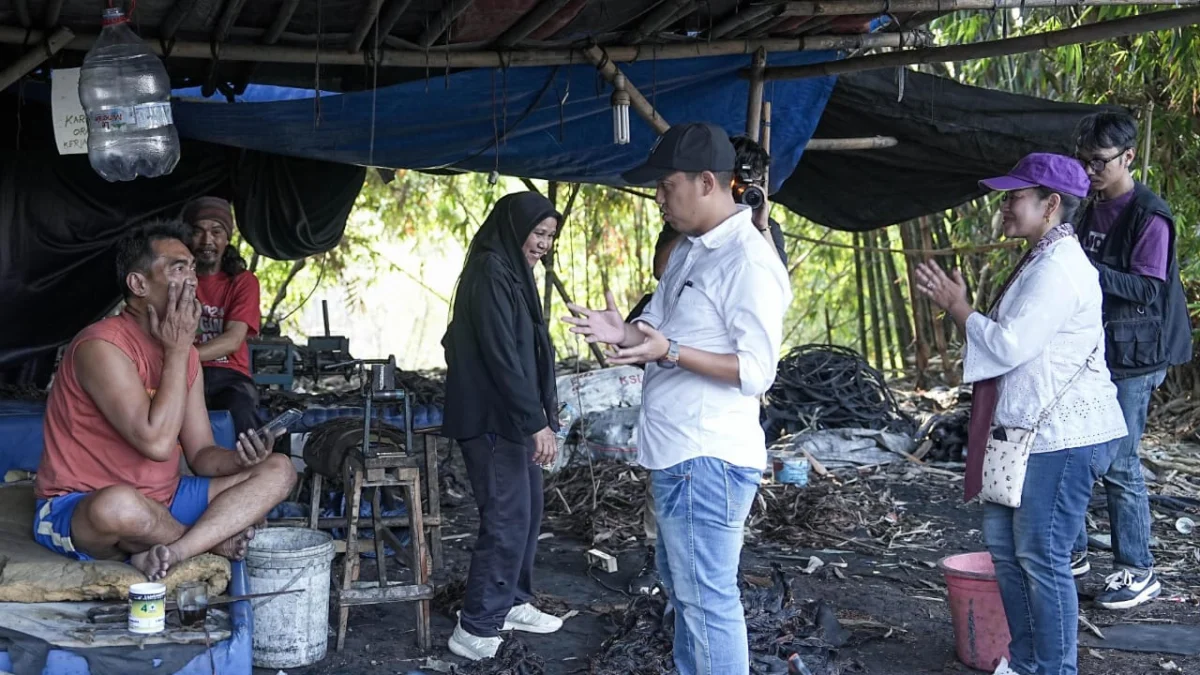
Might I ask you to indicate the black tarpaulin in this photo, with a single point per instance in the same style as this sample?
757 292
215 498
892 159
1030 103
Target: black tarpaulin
59 220
951 136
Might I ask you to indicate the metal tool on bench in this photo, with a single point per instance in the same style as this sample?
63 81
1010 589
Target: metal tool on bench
327 353
275 360
117 613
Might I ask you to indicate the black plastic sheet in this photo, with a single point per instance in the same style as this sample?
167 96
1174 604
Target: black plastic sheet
59 221
950 136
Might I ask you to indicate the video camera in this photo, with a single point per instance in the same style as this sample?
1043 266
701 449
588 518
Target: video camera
748 186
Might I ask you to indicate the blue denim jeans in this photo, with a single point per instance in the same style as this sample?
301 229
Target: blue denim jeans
1128 500
1031 548
701 505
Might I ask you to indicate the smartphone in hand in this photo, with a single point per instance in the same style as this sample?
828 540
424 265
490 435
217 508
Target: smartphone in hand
280 425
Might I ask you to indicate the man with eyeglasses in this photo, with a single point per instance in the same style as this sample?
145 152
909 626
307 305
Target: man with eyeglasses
1128 233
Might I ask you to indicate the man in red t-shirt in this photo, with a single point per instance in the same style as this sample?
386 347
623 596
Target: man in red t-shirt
127 402
229 296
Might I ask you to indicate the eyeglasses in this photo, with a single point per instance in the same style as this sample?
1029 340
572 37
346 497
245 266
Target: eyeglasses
1098 165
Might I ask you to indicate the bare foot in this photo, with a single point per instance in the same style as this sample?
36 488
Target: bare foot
156 562
234 548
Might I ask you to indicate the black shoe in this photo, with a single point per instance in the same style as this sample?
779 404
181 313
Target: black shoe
1079 564
646 580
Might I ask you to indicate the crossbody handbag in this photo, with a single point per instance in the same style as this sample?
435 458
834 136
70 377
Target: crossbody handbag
1007 456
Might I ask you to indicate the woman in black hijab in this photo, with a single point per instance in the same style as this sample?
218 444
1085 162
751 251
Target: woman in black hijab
502 408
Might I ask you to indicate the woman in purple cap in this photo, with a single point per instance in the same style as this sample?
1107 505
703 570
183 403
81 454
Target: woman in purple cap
1036 359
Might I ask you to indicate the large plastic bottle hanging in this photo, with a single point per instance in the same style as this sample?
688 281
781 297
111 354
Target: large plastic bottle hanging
126 94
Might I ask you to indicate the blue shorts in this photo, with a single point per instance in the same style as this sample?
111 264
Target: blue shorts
52 523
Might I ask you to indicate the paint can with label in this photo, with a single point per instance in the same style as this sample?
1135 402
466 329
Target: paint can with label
147 608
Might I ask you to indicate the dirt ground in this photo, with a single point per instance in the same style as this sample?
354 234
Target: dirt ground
900 589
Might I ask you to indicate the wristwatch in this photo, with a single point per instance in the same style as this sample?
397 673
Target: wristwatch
672 358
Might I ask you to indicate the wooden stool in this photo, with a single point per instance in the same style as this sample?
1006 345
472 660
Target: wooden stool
385 470
373 466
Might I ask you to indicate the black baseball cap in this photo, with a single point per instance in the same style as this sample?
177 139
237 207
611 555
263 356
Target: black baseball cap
692 147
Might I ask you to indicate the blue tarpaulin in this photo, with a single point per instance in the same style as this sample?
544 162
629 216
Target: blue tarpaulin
547 122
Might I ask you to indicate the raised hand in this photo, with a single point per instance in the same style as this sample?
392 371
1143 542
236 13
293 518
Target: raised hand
598 325
177 330
942 290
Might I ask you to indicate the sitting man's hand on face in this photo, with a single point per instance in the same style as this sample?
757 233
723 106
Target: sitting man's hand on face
177 329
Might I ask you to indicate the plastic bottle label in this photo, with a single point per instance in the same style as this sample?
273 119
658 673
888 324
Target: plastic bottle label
133 117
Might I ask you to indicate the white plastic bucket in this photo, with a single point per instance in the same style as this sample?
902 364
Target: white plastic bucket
291 630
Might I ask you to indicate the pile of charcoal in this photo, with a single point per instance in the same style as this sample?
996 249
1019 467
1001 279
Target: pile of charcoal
947 436
599 503
513 658
778 627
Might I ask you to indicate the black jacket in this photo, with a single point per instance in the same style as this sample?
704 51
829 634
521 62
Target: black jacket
1146 322
499 362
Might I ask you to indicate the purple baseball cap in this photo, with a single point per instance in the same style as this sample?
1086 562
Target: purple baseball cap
1043 169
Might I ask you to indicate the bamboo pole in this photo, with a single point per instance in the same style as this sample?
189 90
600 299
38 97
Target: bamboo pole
228 17
640 105
920 344
1145 150
281 21
738 19
656 19
903 327
369 15
548 259
53 11
1095 32
852 7
530 22
754 105
441 22
23 16
858 285
166 30
872 299
411 58
35 57
848 144
939 326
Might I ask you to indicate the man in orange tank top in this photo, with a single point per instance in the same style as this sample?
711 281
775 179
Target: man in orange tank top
126 405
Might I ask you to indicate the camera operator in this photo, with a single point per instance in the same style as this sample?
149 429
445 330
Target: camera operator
750 188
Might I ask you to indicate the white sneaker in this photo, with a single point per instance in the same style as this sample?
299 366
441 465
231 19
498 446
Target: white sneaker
473 647
531 620
1003 668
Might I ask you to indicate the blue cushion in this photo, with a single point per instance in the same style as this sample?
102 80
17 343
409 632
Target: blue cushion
21 434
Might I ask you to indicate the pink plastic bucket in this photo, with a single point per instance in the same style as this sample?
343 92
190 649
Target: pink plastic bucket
980 629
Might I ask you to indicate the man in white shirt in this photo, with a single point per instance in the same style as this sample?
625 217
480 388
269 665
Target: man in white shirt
711 339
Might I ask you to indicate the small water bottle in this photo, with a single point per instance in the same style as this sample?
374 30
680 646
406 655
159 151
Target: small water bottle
566 419
126 95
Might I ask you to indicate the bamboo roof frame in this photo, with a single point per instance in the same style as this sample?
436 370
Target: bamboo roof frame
852 7
1093 32
743 30
404 58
